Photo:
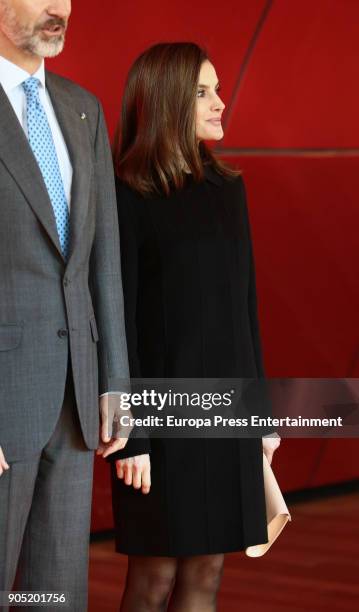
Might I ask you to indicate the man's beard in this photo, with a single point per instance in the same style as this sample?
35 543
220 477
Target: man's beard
31 39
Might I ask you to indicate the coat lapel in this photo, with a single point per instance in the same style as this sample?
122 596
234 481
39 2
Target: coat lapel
19 159
77 138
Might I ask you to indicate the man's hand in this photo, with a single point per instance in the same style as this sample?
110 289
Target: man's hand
270 444
113 435
3 464
135 471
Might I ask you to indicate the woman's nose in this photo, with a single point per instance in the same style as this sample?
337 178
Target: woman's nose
218 104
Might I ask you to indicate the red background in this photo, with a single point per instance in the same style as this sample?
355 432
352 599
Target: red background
290 80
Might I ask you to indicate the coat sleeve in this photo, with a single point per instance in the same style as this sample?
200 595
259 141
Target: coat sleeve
252 290
130 240
105 271
258 390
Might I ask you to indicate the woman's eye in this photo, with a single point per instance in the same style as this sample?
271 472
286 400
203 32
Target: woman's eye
200 93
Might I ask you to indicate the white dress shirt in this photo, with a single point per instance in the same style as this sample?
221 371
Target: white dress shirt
11 77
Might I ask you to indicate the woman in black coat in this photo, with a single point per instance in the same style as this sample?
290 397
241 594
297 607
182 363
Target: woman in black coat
190 310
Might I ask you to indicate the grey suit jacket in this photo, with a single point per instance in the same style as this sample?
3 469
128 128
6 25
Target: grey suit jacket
48 306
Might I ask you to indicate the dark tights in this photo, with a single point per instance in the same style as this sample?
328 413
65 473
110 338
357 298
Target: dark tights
184 584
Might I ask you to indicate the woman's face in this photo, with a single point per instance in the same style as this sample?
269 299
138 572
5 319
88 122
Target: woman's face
209 105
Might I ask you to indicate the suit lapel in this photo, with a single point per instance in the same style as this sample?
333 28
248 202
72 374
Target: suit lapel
19 159
76 135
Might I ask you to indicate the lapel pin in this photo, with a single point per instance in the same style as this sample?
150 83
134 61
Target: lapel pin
83 116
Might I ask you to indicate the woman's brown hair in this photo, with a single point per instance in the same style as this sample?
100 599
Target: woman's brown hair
156 133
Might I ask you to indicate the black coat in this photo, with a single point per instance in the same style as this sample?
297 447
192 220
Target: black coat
191 312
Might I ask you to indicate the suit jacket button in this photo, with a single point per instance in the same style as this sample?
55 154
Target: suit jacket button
66 282
62 333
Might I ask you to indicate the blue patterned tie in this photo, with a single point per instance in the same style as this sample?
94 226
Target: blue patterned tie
43 147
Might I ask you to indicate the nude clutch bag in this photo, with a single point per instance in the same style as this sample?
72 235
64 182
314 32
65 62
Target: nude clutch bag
277 512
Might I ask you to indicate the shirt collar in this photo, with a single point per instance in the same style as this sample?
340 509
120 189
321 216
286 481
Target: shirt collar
11 75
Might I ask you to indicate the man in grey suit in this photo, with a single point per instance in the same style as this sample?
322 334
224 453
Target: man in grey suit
62 335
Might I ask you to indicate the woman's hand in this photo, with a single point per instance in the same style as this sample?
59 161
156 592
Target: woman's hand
135 471
270 444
